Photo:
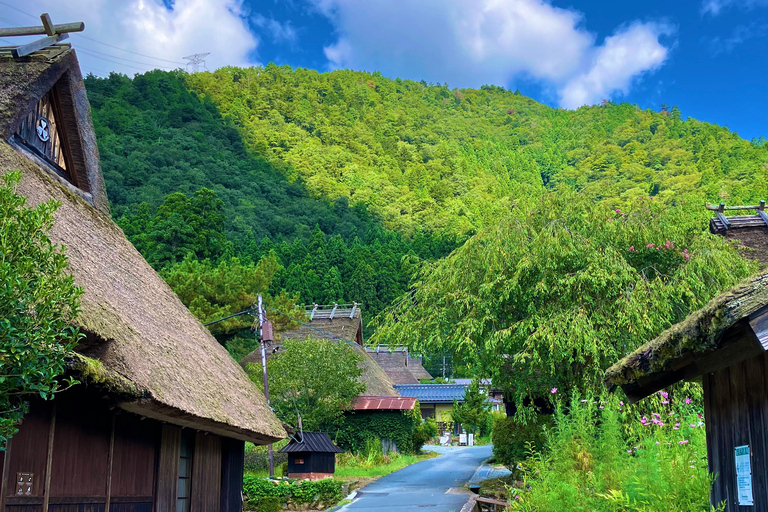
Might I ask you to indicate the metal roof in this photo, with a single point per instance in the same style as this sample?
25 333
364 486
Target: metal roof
383 403
317 442
433 393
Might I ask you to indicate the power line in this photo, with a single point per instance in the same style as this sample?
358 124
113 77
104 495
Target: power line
121 58
93 40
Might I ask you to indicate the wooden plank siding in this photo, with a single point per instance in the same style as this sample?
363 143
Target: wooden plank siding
736 408
206 473
168 468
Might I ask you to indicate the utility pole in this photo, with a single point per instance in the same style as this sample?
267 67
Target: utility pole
195 60
261 335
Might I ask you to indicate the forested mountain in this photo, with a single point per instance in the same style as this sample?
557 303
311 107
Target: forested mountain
351 181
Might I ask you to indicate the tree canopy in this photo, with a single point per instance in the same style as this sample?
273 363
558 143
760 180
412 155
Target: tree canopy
551 298
38 301
314 378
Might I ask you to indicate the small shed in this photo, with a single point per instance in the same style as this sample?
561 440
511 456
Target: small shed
725 345
311 456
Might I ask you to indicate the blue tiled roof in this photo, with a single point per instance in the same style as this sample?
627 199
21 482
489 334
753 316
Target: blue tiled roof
433 393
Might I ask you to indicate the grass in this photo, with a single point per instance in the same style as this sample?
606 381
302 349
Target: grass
353 467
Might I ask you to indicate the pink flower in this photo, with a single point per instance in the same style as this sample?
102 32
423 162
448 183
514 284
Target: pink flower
664 394
621 403
664 402
692 425
584 401
632 249
649 246
656 414
684 441
602 407
553 391
657 443
687 401
644 421
629 451
618 210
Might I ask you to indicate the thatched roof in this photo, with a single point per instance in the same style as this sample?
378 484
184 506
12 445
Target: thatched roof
142 344
730 327
399 366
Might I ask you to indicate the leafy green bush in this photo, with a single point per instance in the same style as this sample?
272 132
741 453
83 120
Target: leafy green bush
262 492
512 439
265 504
38 301
605 456
361 426
257 457
423 433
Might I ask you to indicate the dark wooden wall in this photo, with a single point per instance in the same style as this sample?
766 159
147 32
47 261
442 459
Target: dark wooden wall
85 455
313 462
736 412
104 460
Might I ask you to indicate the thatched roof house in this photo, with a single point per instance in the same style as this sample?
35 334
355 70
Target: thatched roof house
399 365
144 356
724 344
345 325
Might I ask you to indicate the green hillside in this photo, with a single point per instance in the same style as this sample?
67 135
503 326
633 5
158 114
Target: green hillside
456 160
353 181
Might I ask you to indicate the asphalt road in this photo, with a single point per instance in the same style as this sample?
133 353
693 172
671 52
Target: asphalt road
423 486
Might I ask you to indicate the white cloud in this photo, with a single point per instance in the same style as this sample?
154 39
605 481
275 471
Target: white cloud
625 55
469 44
280 32
714 7
149 28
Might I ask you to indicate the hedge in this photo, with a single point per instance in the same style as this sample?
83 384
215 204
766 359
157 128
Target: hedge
263 494
510 438
396 426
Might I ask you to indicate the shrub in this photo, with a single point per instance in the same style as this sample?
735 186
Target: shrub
512 439
361 426
257 457
263 493
605 456
423 433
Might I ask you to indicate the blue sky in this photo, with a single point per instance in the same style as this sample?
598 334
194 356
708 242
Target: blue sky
706 56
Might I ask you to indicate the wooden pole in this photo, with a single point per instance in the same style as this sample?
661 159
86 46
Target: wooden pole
110 460
49 459
6 468
64 28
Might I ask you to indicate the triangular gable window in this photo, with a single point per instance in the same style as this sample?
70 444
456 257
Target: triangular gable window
41 132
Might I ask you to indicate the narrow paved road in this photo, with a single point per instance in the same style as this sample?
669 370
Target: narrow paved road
423 486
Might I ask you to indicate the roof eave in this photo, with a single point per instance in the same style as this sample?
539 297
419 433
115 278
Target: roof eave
160 412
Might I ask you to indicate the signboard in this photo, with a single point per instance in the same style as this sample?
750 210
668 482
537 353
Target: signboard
462 439
743 475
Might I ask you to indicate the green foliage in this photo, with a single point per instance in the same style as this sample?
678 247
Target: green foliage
257 457
361 426
550 298
456 160
38 301
603 456
266 492
315 378
473 413
424 432
513 439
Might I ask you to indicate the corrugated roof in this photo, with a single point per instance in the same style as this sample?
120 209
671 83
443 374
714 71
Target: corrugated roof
317 442
433 393
383 403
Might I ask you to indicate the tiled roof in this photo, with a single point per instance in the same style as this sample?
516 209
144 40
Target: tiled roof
317 442
433 393
383 403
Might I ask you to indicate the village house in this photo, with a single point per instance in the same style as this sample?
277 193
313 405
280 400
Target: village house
400 366
311 456
436 401
338 322
160 419
724 345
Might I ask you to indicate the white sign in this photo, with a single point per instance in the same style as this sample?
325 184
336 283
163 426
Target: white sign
743 475
463 439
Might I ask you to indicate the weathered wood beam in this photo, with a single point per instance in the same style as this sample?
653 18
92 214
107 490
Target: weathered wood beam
720 207
41 31
21 51
725 221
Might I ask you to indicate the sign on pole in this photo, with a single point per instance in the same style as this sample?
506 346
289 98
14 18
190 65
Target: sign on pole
744 475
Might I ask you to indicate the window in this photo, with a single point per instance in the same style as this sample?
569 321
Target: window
184 490
40 133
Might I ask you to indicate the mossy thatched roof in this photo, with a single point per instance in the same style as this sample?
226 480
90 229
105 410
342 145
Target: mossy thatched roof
702 333
142 343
